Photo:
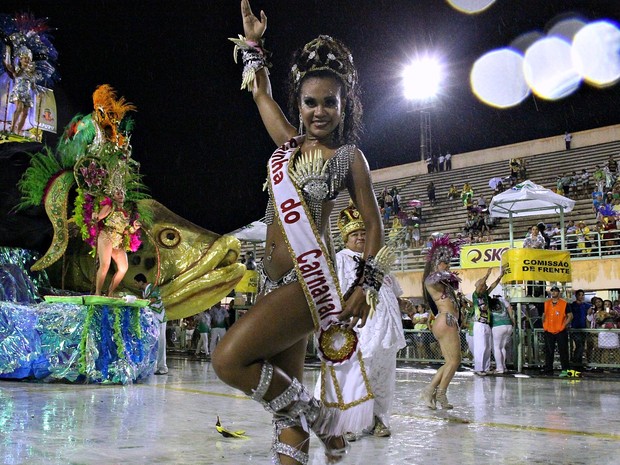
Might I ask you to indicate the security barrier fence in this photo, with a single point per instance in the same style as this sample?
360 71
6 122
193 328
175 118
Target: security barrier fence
601 348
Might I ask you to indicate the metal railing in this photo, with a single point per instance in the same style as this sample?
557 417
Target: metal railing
599 246
602 348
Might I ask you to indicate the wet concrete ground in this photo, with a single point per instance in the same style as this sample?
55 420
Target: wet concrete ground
170 420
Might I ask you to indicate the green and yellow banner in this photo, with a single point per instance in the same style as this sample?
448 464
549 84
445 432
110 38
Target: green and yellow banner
249 282
536 265
485 255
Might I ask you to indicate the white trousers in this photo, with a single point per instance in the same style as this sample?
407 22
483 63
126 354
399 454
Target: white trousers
381 369
482 346
203 344
216 335
161 348
501 338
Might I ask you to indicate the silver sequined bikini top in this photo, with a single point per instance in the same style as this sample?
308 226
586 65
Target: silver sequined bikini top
337 170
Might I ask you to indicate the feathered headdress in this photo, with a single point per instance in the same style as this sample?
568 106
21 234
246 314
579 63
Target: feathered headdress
110 111
443 249
25 35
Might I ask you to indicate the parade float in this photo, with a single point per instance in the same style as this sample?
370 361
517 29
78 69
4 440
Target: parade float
54 323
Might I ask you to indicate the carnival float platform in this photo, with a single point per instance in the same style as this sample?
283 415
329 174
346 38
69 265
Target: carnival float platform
71 338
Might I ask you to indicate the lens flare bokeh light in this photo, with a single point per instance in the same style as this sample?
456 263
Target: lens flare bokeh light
497 78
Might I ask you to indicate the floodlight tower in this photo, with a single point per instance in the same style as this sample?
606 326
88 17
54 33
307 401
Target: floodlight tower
421 81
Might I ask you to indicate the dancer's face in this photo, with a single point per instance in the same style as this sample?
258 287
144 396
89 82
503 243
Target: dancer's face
119 196
320 106
443 266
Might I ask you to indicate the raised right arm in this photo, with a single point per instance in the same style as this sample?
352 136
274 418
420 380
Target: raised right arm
273 118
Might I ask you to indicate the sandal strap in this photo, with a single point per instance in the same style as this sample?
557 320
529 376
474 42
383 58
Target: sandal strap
266 375
280 448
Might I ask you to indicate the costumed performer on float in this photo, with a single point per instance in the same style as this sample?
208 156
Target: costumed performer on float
382 336
114 239
263 353
27 36
440 293
24 74
102 215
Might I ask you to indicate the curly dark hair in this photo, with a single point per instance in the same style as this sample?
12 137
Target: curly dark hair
328 57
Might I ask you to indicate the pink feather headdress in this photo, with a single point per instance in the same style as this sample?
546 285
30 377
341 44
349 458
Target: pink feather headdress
443 249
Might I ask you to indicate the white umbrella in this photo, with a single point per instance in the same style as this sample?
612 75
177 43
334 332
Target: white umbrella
528 199
493 182
256 231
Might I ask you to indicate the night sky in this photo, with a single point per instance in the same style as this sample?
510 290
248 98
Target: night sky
199 138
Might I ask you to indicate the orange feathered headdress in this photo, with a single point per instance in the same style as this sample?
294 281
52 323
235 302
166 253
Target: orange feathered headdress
110 111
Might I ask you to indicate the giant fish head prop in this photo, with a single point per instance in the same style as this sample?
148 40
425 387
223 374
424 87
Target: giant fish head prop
195 268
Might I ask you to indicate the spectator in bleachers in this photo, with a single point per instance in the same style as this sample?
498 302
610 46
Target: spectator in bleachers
584 239
389 201
453 192
440 162
482 202
515 168
499 188
448 161
542 230
612 164
429 164
574 184
610 178
584 183
559 188
381 197
567 139
467 195
566 180
608 240
597 201
395 230
395 200
609 198
599 178
554 236
470 222
412 236
430 191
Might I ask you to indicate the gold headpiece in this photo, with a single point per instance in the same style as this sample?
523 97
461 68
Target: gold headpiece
349 221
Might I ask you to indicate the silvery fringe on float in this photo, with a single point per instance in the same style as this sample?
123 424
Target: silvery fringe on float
73 339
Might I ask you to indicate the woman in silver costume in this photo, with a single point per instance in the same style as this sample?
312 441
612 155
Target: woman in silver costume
24 74
440 292
263 353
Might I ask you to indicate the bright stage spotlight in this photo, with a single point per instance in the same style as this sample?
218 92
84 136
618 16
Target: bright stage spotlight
422 78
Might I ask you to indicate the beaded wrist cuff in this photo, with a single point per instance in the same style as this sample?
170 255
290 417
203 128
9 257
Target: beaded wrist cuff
375 269
254 57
